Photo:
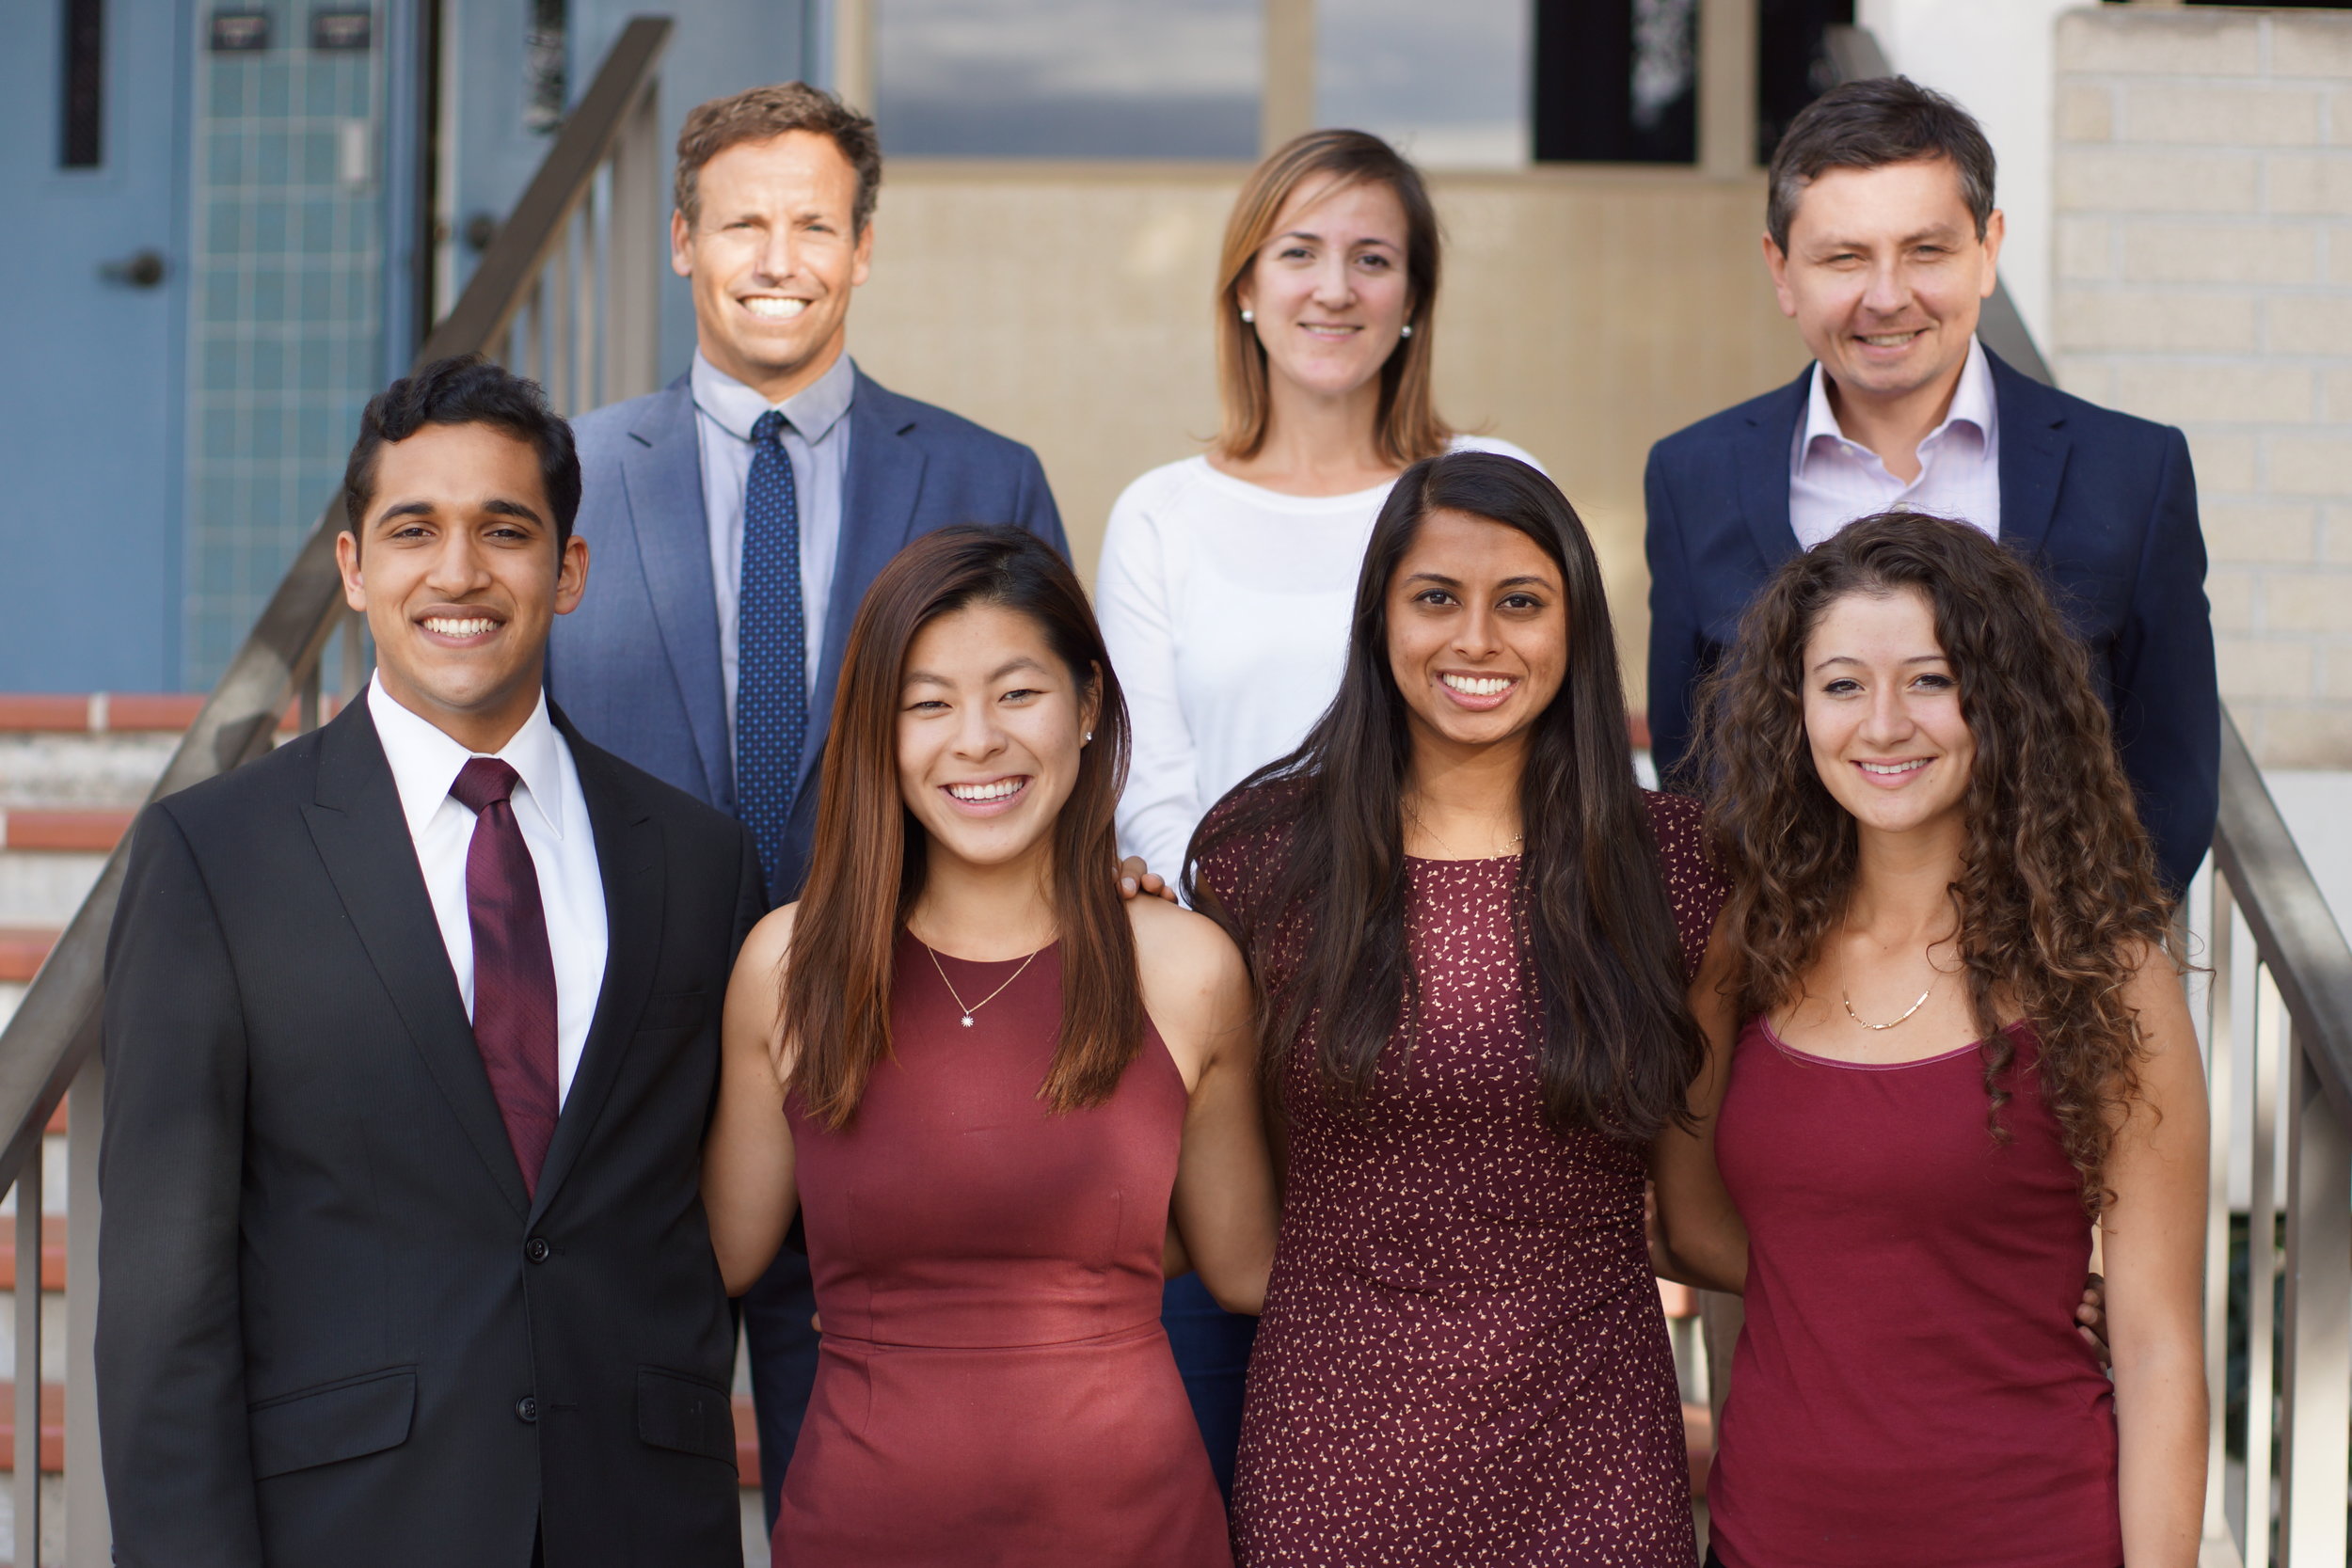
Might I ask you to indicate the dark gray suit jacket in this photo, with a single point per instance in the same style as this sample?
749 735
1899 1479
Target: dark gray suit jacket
332 1328
637 664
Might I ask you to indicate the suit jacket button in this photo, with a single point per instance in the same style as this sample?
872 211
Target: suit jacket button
526 1409
536 1249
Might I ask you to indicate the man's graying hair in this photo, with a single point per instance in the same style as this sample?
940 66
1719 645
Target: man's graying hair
1870 124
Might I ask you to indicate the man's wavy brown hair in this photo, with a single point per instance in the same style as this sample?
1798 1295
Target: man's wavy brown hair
2057 896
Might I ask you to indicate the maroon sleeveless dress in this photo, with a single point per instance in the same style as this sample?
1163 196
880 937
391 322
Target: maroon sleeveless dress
994 1387
1909 1387
1462 1358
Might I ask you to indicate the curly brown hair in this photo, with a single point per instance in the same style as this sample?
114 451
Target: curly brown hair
2057 896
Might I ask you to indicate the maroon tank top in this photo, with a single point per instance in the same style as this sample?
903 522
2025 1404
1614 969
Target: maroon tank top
1909 1387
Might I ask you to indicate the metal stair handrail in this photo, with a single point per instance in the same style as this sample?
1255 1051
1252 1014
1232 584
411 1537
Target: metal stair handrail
55 1026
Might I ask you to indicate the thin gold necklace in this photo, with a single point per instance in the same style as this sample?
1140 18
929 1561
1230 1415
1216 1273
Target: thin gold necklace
1907 1011
983 1001
1515 839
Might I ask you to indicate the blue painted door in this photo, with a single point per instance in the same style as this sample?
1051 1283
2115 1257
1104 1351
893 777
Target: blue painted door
92 300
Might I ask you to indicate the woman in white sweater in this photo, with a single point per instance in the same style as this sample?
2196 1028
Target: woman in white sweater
1226 578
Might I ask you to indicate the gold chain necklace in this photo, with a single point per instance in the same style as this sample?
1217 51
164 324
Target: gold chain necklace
983 1001
1907 1011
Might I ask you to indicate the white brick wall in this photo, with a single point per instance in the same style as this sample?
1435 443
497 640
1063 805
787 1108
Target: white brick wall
2203 260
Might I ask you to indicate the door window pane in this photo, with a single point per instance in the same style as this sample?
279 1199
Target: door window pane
1069 78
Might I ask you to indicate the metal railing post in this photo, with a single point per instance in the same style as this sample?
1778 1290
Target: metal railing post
2261 1267
2315 1418
2220 1083
639 242
89 1532
25 1492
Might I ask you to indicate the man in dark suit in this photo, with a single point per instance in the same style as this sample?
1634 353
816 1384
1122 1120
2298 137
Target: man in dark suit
1882 241
738 517
411 1038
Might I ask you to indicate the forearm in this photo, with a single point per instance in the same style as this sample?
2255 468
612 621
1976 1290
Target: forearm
748 1194
2160 1419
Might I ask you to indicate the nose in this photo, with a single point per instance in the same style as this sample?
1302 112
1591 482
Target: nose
779 254
1334 289
1888 290
1888 723
1475 636
978 735
458 567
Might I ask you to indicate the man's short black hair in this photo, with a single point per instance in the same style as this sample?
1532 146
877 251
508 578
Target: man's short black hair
466 391
1870 124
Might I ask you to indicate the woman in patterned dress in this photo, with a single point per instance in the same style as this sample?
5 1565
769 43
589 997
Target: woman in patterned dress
1472 934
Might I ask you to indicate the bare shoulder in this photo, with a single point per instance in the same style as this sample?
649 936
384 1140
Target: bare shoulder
1191 970
764 950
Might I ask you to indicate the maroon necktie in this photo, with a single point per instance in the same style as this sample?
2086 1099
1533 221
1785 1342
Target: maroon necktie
513 971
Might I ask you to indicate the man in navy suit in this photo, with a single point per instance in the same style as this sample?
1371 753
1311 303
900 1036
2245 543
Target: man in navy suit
737 517
1882 241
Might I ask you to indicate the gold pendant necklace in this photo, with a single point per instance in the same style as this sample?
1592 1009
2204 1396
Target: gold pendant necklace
983 1001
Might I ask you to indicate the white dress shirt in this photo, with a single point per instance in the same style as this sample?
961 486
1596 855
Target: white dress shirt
817 440
1832 480
1225 606
553 816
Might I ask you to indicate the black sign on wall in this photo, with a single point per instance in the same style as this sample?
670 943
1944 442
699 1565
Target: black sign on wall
240 32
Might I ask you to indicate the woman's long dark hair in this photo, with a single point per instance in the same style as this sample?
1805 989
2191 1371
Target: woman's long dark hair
1600 958
867 867
2057 897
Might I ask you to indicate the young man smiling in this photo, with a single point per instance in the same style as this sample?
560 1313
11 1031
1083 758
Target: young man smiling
741 513
1882 241
412 1033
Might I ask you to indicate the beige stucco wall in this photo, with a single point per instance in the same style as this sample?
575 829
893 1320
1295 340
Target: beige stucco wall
2204 183
1585 313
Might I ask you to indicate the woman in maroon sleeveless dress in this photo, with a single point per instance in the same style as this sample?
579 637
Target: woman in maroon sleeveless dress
1954 1039
998 1098
1469 928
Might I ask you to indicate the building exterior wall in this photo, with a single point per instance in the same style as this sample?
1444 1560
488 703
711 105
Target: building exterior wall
1584 313
2203 190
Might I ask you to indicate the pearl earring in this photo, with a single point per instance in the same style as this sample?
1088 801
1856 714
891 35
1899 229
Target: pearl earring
1087 740
1249 317
1407 331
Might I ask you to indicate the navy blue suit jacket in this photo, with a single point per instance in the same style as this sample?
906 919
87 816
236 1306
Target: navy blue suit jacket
2104 503
636 666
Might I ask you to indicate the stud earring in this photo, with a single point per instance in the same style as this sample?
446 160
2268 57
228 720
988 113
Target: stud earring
1249 317
1087 739
1407 331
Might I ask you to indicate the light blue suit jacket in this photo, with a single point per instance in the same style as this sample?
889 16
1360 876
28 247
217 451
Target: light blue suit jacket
636 666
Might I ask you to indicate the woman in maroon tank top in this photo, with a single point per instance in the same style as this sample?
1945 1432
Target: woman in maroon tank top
1948 1039
1000 1100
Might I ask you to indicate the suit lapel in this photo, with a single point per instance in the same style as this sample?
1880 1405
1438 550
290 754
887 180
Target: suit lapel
2034 449
629 864
1763 471
877 515
361 836
664 483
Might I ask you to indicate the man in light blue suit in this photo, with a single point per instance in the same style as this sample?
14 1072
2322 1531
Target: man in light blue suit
737 517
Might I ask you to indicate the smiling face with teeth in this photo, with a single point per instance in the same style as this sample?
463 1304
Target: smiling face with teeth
1478 634
1882 715
460 577
1886 276
990 736
772 257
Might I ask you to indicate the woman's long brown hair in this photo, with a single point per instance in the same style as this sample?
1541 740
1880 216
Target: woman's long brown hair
868 868
2057 896
1409 429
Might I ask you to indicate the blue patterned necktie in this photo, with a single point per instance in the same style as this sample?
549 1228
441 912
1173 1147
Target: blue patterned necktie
771 651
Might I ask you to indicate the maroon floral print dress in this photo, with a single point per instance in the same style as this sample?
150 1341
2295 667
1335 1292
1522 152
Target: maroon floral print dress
1462 1358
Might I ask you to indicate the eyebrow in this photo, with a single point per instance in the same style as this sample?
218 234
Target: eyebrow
1023 661
1933 231
1309 235
498 506
1849 658
1441 580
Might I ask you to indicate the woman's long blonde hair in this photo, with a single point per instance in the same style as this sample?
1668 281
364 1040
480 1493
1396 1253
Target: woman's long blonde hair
1409 429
